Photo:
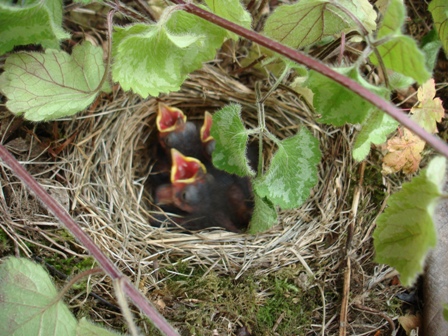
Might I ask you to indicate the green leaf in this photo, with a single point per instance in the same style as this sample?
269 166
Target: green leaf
149 59
431 51
445 311
29 303
87 328
439 11
292 171
157 58
375 129
231 10
399 52
231 141
393 19
430 45
402 55
264 215
53 85
33 22
337 104
399 81
309 21
181 23
405 231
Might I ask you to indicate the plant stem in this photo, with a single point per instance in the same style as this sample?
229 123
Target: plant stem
262 130
300 58
56 209
277 82
261 126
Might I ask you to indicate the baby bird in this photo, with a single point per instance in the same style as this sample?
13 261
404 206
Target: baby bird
207 200
191 139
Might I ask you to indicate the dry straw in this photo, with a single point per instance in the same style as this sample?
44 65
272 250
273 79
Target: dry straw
101 177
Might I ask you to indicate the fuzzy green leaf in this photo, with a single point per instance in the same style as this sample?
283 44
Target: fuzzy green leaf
54 84
231 141
399 81
292 171
153 59
375 129
87 328
337 104
231 10
32 22
405 231
402 55
28 301
309 21
439 11
399 53
430 44
149 59
431 51
264 215
181 22
445 311
393 20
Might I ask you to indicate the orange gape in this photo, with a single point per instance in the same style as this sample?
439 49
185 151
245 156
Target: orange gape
198 193
189 138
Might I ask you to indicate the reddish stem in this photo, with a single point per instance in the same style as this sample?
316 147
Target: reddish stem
301 58
57 210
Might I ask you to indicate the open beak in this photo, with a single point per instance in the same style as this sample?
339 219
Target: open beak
185 169
206 128
169 118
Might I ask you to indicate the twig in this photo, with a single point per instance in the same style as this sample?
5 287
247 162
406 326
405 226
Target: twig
347 273
344 303
377 312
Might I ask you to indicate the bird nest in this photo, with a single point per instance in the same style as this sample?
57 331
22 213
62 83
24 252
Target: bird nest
101 177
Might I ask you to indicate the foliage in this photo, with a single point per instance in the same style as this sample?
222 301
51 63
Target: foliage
404 150
399 52
322 18
156 58
337 104
439 11
292 171
288 179
231 138
30 305
55 84
375 129
406 231
35 22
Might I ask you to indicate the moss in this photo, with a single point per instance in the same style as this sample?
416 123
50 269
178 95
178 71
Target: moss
5 245
373 181
70 265
289 309
199 302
